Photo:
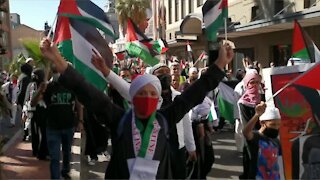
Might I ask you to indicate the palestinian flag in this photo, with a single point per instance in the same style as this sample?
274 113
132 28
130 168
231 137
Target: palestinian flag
203 56
86 11
139 45
75 40
190 56
302 46
160 46
226 102
213 114
214 12
310 78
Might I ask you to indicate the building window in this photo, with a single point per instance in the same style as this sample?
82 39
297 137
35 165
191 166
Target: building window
191 9
255 13
309 3
199 2
183 9
278 6
170 35
170 11
177 10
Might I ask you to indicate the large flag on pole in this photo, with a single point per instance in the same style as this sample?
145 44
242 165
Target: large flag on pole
75 40
214 12
139 45
86 11
302 46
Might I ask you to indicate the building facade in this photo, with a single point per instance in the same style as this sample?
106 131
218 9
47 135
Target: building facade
5 34
23 32
261 30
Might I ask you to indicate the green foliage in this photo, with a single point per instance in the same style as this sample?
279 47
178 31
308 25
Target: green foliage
134 9
33 50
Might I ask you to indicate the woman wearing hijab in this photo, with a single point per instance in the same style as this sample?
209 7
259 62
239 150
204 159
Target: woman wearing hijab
247 103
141 149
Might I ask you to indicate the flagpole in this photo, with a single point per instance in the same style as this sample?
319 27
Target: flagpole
51 28
291 82
47 70
226 36
225 29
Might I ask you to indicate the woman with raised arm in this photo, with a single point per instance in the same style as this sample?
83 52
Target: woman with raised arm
141 134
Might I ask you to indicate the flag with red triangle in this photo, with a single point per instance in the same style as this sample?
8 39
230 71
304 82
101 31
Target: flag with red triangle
160 46
75 40
139 45
302 45
88 12
214 12
310 78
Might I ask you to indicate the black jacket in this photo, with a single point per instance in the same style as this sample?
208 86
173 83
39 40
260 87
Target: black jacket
111 114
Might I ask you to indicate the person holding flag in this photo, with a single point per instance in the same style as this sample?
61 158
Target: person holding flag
141 150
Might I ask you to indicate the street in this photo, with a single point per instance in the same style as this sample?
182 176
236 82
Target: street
17 162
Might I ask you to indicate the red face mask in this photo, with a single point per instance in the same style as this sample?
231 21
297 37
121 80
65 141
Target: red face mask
145 106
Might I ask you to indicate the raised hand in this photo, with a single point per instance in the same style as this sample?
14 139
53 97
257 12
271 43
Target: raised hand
261 108
226 55
50 51
99 63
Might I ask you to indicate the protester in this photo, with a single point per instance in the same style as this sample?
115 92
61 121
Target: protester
247 104
23 81
142 123
38 120
60 123
181 138
10 90
202 131
176 70
175 82
264 146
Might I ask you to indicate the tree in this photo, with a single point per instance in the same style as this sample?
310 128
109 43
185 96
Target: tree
134 9
33 50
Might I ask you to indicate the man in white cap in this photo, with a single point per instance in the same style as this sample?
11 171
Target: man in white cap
263 146
30 61
141 149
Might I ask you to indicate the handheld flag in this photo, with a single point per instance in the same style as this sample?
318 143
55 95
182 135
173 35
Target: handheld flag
226 102
302 46
310 78
139 45
160 46
75 40
88 12
214 12
190 56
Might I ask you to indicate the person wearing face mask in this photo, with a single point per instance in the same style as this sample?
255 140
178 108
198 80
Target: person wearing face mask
246 105
181 136
142 149
264 146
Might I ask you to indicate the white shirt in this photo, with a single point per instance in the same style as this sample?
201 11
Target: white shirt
14 92
184 127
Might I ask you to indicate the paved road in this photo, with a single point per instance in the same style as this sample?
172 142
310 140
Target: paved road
18 163
228 162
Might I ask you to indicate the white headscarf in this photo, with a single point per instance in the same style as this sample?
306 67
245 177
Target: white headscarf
143 80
